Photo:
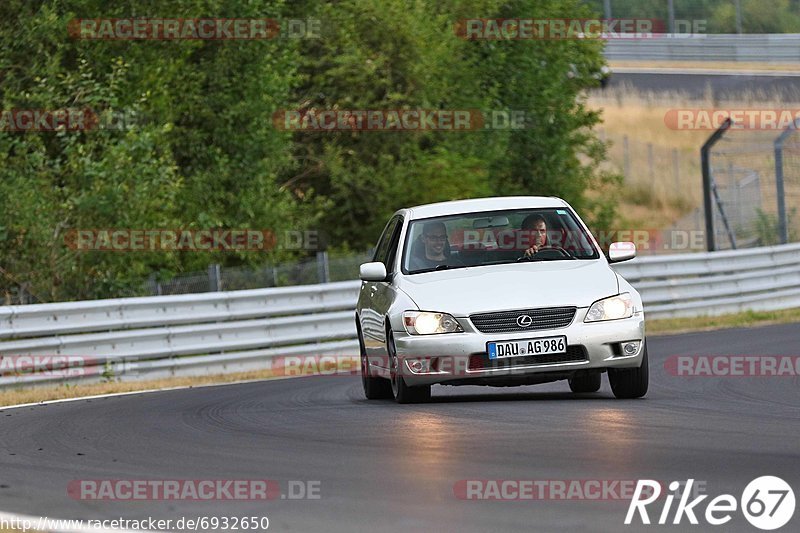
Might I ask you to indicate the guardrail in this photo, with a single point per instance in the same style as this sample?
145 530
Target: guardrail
773 48
189 334
715 283
243 330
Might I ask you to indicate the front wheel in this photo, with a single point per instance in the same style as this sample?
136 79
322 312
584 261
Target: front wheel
402 392
375 388
630 382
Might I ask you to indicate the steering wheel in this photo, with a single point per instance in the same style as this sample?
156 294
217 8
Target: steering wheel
562 252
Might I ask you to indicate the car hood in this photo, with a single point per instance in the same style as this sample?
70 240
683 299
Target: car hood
464 291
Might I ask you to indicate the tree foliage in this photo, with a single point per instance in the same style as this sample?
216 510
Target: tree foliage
202 151
388 54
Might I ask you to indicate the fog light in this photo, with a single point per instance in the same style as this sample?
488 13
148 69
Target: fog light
630 348
418 366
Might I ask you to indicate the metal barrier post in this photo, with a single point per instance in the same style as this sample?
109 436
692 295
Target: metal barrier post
323 270
708 203
214 278
783 225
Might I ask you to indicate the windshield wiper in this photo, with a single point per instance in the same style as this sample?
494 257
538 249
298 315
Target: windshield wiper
434 269
532 259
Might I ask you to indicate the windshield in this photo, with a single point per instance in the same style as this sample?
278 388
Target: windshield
498 237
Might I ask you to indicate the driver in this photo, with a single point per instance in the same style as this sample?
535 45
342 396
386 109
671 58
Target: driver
536 227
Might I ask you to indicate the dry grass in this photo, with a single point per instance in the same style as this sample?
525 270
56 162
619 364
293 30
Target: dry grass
674 326
657 195
716 65
42 393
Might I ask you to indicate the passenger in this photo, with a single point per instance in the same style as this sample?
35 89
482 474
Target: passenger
436 250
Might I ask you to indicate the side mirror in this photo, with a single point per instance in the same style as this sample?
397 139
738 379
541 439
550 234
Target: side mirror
372 271
621 251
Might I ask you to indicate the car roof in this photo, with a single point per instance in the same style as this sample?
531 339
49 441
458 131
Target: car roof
482 204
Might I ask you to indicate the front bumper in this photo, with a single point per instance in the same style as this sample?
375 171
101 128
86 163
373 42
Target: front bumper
455 358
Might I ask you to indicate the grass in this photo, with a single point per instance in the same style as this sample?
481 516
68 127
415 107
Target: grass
654 195
663 181
674 326
670 326
715 65
40 393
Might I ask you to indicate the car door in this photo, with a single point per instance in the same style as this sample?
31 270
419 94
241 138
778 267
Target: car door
378 296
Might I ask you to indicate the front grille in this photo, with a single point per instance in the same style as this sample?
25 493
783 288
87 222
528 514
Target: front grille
506 321
574 354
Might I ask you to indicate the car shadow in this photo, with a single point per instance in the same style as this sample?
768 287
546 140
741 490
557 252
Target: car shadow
521 397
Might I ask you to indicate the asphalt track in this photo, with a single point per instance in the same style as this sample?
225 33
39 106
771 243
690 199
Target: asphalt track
387 467
722 87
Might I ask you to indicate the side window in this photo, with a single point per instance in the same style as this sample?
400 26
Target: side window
382 250
393 245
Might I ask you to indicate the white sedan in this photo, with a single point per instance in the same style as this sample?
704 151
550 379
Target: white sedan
497 291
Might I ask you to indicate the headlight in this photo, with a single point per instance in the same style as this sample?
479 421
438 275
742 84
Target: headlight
613 308
425 323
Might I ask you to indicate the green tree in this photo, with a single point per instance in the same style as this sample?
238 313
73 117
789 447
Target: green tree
390 54
202 152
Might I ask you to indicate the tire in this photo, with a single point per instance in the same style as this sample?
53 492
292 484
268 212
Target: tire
403 393
375 388
629 383
585 382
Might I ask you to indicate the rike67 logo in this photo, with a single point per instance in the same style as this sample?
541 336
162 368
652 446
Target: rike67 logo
767 503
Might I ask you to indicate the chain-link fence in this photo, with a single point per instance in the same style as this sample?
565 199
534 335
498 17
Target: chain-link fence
755 188
320 269
665 174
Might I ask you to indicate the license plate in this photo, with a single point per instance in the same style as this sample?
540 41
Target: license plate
526 348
